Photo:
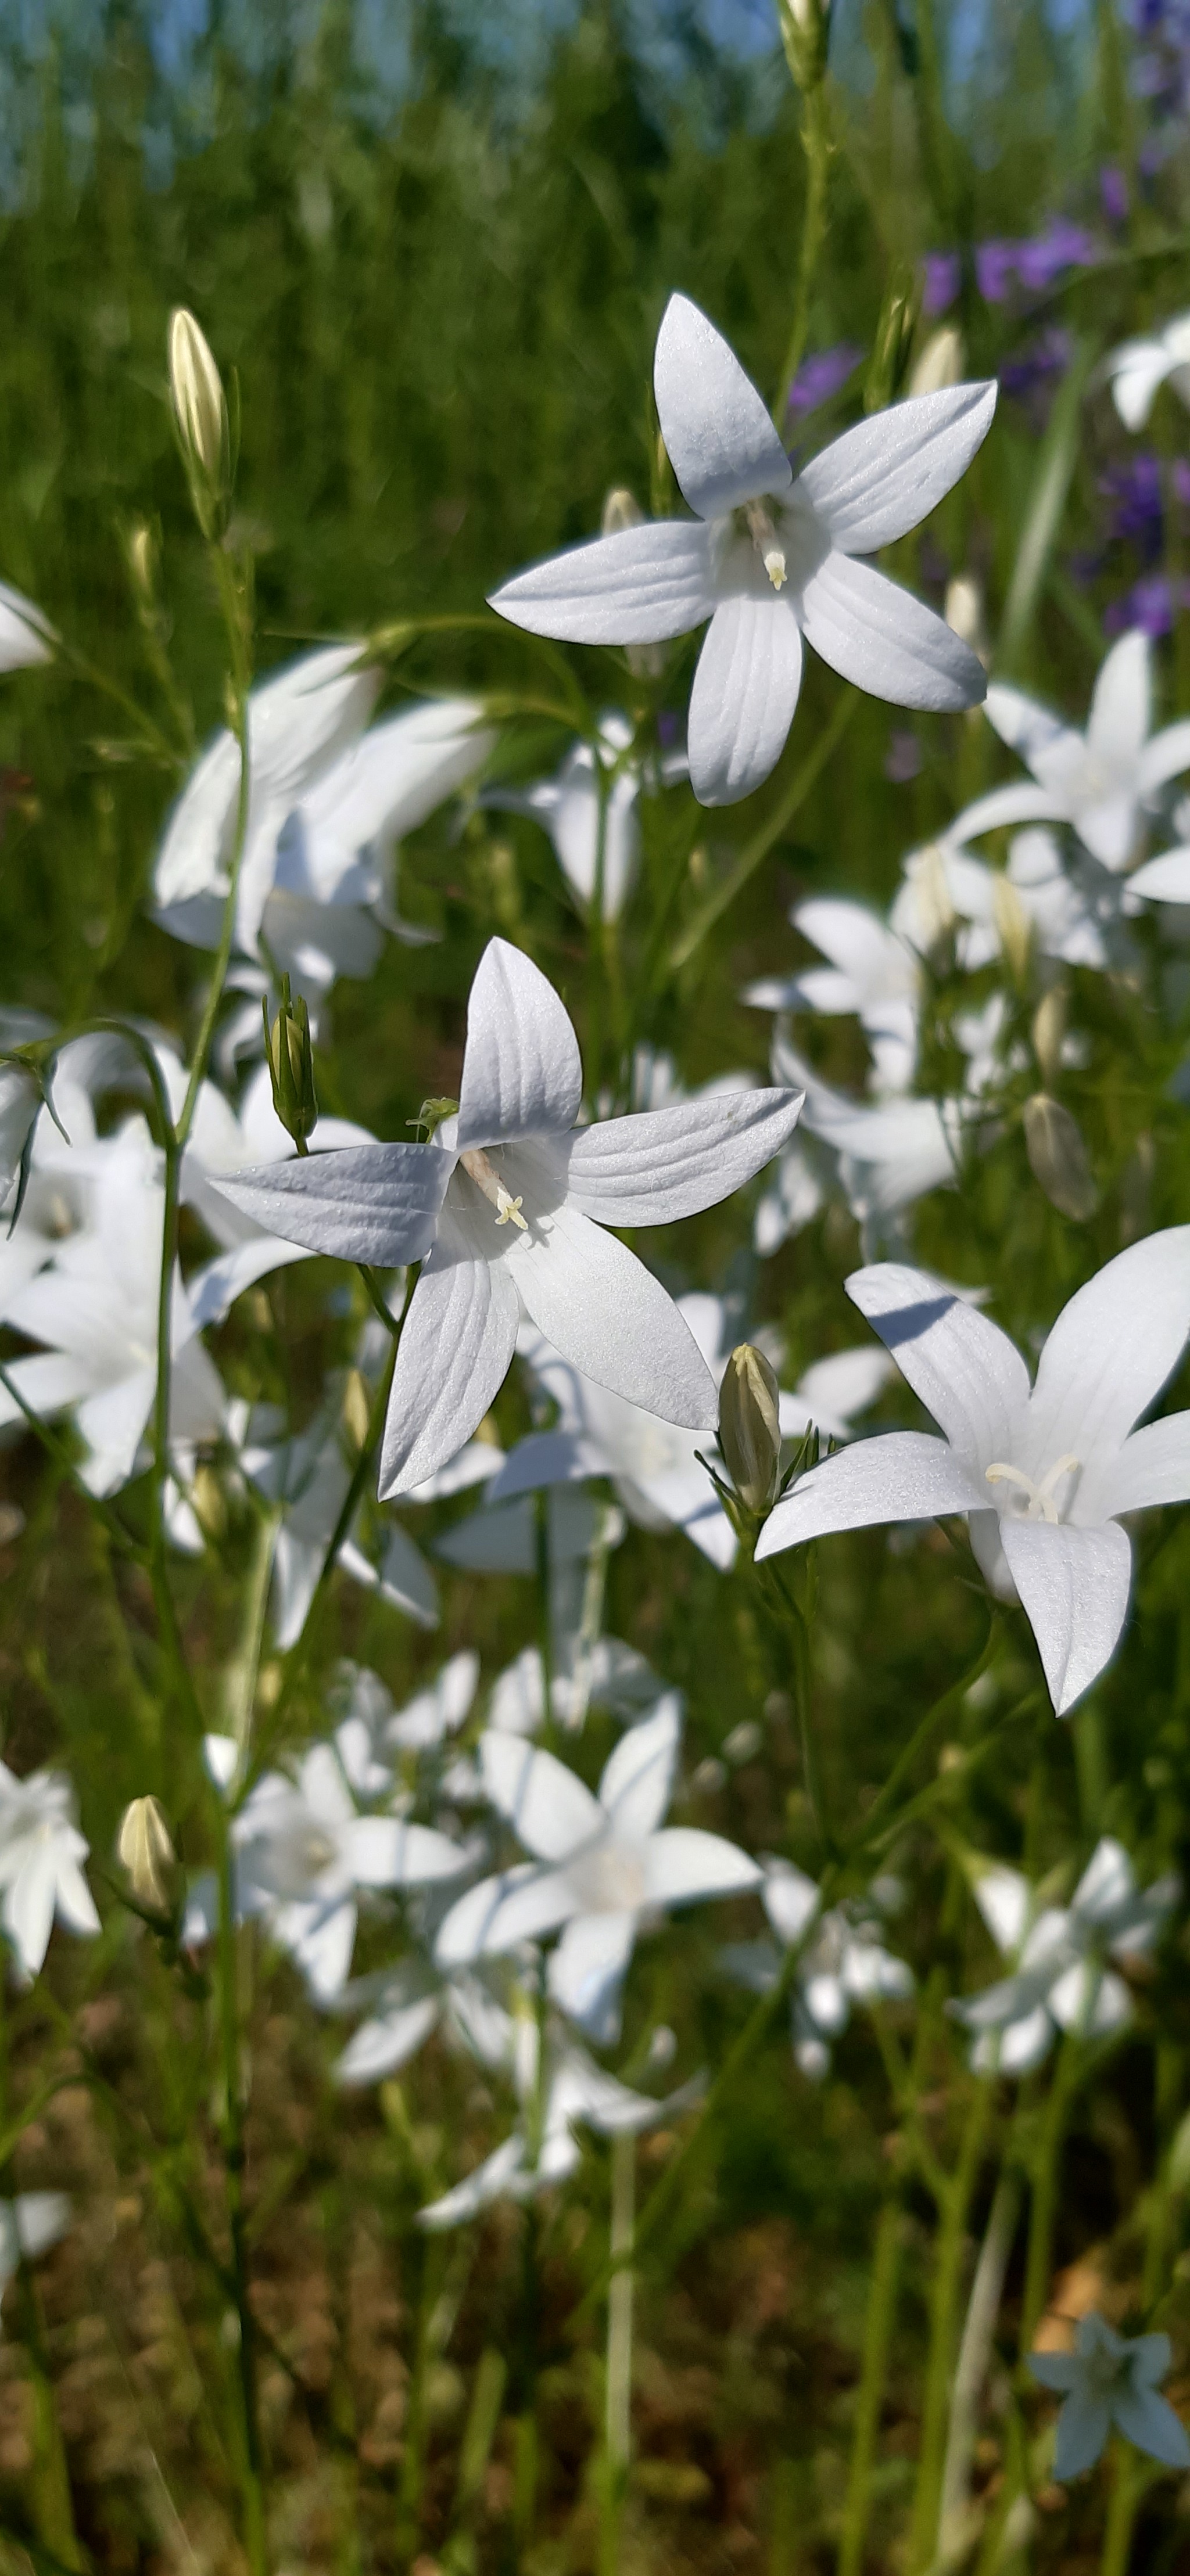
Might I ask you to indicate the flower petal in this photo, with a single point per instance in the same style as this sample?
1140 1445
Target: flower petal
885 476
1152 1467
638 1780
1149 2420
661 1164
966 1371
384 1851
1112 1349
517 1905
640 586
547 1805
1074 1586
1083 2428
900 1476
1022 802
718 435
586 1972
874 633
1165 879
1122 703
522 1074
378 1203
1164 757
607 1314
1054 2369
381 2045
455 1352
744 696
683 1864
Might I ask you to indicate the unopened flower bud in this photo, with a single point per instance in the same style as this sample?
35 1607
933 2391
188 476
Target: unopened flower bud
926 871
805 27
621 510
291 1066
940 363
200 410
356 1408
1049 1031
750 1426
145 1850
963 611
1058 1157
890 348
1013 926
142 562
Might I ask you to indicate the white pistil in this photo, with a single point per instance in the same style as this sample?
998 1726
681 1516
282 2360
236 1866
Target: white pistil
764 538
1042 1506
508 1209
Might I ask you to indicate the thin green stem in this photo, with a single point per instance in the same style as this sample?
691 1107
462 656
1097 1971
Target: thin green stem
816 145
1125 2497
1044 2173
545 1626
252 2497
878 2329
940 2362
617 2400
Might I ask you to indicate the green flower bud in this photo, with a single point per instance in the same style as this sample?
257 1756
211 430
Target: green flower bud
144 1848
895 327
750 1427
291 1066
1058 1157
805 28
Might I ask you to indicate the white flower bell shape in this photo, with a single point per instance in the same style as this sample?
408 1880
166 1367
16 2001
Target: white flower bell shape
1044 1472
1098 781
768 559
506 1210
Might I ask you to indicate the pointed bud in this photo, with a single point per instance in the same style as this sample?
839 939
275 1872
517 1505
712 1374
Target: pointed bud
1058 1157
805 28
144 1849
750 1427
1049 1031
1013 926
200 410
894 332
356 1408
142 562
939 364
291 1066
926 871
621 510
963 611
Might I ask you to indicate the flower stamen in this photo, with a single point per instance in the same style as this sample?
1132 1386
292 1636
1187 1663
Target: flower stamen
508 1209
1042 1506
764 538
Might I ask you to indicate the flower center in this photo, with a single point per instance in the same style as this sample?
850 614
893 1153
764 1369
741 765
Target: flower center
508 1209
609 1879
767 543
1039 1503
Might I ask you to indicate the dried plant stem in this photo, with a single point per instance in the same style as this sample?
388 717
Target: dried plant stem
983 2308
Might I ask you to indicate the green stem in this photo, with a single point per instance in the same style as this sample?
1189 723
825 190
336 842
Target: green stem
878 2327
1046 2165
1126 2495
545 1631
253 2534
816 144
795 794
618 2374
940 2364
983 2308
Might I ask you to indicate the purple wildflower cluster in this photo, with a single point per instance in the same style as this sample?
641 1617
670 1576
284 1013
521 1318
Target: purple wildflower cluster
1033 265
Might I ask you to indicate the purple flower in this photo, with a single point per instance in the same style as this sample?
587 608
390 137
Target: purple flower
1153 604
943 278
1064 245
1139 501
1113 194
995 267
823 375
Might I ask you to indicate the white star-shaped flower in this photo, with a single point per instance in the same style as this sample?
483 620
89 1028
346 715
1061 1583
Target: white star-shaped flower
1099 781
845 1962
1108 2381
26 636
302 1853
1138 367
568 808
307 1476
768 559
1060 1978
410 2001
601 1863
41 1857
1044 1472
499 1209
573 2091
327 802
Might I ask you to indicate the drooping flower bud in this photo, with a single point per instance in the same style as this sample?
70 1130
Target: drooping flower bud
144 1848
939 364
291 1066
200 410
1058 1157
750 1427
1049 1031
